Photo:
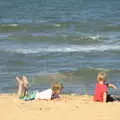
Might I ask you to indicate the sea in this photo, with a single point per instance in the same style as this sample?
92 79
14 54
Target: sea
67 41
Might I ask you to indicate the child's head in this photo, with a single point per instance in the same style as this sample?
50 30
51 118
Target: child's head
102 77
57 88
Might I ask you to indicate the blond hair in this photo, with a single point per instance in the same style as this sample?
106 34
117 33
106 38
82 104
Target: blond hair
101 76
57 87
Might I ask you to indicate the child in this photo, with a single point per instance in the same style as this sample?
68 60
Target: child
101 90
53 93
23 85
49 94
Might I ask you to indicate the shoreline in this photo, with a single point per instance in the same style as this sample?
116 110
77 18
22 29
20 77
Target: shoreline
69 108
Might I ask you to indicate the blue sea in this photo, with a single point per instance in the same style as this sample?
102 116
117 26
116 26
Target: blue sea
69 41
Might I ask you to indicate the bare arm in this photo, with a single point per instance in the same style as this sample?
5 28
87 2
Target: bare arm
105 97
112 86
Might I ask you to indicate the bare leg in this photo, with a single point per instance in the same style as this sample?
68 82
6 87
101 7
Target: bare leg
26 85
20 86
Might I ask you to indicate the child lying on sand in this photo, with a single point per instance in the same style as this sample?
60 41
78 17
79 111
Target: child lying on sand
101 90
48 94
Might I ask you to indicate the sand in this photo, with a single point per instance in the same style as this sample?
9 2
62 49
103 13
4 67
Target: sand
71 107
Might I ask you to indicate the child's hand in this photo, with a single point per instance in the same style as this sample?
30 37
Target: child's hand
113 86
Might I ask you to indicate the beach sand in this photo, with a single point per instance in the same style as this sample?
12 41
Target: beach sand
71 107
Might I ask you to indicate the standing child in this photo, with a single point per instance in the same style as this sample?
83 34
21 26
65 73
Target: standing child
101 90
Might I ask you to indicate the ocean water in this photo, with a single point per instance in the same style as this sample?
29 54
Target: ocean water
60 40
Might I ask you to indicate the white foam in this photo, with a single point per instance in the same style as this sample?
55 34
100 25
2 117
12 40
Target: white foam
12 25
57 25
71 48
94 37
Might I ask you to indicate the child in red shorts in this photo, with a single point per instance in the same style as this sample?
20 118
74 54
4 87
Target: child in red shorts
101 90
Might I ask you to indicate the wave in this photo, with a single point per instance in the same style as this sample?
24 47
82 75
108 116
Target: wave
8 25
40 24
75 81
96 37
85 75
55 37
11 25
5 35
64 49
